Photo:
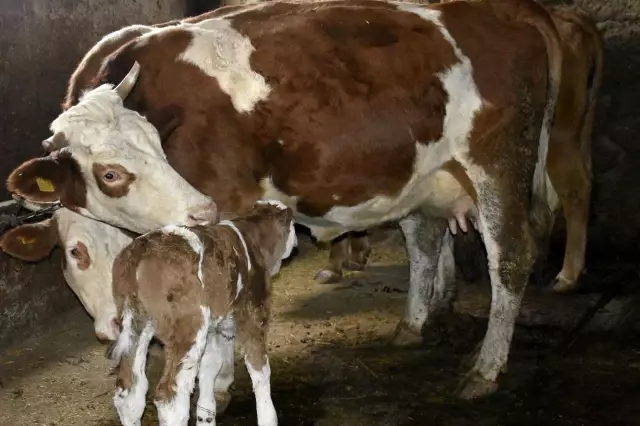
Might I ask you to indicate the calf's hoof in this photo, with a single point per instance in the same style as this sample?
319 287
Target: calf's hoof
327 276
404 336
222 401
473 386
561 285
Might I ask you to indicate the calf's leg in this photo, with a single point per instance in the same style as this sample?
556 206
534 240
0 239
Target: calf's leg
172 397
251 336
431 274
215 376
132 383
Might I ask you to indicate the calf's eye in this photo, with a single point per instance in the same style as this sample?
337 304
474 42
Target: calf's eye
74 252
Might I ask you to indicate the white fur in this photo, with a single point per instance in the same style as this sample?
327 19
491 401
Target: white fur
231 225
130 403
99 129
261 380
216 371
93 284
176 411
193 240
222 52
239 285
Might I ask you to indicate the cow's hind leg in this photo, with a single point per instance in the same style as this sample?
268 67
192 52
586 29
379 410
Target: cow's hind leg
172 397
511 250
132 383
569 174
431 275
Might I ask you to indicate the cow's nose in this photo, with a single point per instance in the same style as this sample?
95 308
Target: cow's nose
102 338
203 215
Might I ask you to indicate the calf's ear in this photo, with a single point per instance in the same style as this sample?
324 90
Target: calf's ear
41 180
31 242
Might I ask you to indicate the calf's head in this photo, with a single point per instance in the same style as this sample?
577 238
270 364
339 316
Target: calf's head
108 164
89 247
275 230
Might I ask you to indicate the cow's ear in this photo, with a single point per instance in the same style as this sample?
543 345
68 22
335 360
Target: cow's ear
41 180
31 242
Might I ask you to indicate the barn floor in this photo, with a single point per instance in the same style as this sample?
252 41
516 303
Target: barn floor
330 365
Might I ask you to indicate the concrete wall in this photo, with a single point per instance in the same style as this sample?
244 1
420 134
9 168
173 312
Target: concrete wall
41 41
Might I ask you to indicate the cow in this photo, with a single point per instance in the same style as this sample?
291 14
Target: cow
350 251
89 248
196 290
352 113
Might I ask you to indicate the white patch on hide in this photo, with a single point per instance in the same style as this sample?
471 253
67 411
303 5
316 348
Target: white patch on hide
222 52
231 225
261 381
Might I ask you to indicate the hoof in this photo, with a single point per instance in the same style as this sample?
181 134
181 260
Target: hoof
474 387
327 276
561 285
404 336
354 266
222 401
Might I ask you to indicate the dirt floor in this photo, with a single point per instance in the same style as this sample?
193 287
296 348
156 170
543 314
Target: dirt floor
329 359
331 365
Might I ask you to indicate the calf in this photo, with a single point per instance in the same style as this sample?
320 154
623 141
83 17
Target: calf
191 287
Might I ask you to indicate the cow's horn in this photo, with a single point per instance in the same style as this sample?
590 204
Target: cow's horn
124 88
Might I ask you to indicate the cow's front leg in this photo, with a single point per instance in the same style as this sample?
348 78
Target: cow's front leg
359 250
338 255
431 275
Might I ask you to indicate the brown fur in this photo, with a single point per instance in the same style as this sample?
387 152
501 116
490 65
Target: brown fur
31 242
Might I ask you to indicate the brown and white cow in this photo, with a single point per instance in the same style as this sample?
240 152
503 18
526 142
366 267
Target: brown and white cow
354 113
196 289
350 251
89 249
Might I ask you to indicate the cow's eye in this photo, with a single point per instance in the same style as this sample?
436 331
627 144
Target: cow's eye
74 252
111 176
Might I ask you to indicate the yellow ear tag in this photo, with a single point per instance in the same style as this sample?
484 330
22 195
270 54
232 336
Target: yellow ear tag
26 241
45 185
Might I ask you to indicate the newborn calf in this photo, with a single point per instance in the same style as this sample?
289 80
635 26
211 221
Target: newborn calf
196 289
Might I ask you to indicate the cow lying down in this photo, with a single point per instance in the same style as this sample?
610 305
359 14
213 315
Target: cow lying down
197 289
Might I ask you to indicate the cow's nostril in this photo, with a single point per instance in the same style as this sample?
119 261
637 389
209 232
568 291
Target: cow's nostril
203 215
102 338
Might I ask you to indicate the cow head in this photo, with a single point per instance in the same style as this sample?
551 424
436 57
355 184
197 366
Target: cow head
280 229
90 248
108 164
